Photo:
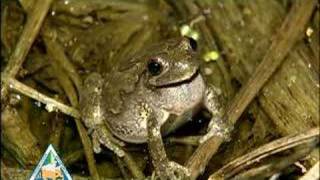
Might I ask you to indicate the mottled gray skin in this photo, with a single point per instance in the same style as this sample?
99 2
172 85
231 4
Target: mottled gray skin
129 96
177 101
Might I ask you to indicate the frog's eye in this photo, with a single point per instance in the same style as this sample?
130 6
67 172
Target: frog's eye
154 67
193 43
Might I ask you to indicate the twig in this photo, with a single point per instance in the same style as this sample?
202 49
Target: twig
276 165
87 146
57 130
20 87
188 140
62 64
209 39
132 166
29 34
286 37
4 22
122 168
4 171
84 7
15 173
264 151
60 60
32 28
50 103
313 173
56 51
67 86
289 33
73 157
27 4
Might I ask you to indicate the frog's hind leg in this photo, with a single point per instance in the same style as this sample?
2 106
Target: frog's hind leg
93 115
165 169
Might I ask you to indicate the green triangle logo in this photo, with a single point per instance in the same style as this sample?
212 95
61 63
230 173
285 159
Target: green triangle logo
50 167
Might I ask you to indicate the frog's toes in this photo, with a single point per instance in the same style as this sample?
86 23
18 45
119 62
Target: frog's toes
96 143
113 147
106 141
102 138
219 129
173 171
179 172
116 141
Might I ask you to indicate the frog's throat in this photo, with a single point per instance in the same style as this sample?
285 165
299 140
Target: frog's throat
184 80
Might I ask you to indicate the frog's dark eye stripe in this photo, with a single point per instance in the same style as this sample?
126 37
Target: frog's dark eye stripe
154 67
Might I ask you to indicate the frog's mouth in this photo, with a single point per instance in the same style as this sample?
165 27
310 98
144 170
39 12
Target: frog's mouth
163 82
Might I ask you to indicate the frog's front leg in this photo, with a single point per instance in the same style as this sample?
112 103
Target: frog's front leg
93 114
217 126
165 169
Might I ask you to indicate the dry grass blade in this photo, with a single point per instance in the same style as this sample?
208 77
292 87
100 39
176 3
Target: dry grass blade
313 173
87 146
29 34
267 169
51 104
67 73
31 30
56 51
264 151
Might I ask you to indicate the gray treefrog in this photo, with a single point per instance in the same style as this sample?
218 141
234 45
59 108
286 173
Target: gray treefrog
149 96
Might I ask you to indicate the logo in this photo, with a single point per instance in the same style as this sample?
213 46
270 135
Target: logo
50 167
